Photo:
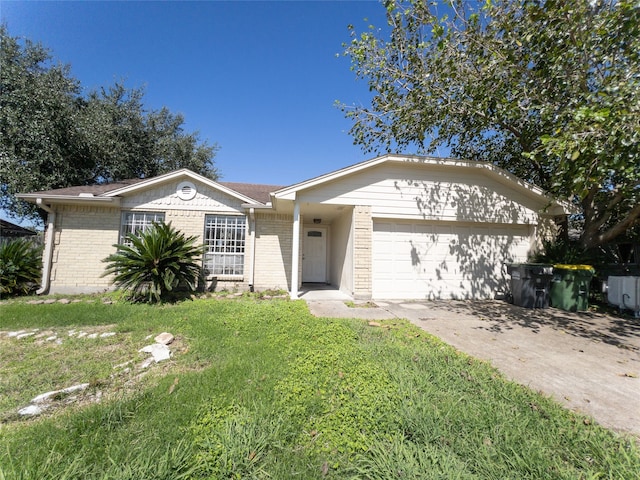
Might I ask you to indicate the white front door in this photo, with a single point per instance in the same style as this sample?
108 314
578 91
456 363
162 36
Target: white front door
314 255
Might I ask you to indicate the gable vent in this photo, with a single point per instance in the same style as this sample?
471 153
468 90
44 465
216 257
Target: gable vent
186 190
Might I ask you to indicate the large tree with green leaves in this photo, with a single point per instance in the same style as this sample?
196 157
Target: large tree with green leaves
547 89
54 136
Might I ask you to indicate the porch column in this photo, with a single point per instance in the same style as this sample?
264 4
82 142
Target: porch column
295 251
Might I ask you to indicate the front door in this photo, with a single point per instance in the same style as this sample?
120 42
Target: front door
314 255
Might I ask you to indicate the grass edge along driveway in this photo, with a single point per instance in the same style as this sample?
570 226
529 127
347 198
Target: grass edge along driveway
262 389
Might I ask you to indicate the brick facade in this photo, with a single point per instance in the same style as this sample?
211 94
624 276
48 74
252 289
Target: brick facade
273 251
363 235
83 237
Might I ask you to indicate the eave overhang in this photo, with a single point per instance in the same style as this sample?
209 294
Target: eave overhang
70 199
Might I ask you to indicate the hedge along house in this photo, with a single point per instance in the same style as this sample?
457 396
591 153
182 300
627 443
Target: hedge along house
404 227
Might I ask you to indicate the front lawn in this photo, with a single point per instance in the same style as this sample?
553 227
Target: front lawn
262 389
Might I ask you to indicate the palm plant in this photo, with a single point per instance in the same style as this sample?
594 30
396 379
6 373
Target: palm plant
155 263
20 267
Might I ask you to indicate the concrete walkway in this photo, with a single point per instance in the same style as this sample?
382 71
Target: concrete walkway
589 362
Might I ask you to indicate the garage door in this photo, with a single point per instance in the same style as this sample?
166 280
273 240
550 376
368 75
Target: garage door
442 260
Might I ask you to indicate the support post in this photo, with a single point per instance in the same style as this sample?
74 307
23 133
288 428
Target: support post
295 251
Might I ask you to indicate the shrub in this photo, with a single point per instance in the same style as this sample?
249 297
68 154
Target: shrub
156 263
20 267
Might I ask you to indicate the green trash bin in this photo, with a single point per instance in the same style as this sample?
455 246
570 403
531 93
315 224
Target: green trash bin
570 287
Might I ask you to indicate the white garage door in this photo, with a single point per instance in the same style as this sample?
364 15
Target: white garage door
441 260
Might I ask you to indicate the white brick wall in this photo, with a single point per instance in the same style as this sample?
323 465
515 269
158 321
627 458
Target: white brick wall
273 251
83 237
362 266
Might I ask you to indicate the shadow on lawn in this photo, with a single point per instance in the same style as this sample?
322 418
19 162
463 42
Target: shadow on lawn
621 331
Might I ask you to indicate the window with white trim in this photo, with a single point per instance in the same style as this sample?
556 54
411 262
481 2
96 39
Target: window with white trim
224 240
135 222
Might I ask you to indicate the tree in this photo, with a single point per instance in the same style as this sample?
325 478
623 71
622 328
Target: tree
548 90
53 136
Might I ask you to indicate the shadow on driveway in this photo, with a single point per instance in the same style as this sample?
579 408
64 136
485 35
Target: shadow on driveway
623 331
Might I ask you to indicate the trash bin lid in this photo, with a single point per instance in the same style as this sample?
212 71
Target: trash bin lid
573 267
539 268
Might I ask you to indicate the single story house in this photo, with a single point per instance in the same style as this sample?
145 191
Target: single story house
10 231
394 227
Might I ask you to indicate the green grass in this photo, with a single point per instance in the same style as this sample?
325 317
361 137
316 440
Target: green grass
261 389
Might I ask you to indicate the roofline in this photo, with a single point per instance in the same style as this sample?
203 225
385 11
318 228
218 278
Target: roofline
288 193
312 182
177 174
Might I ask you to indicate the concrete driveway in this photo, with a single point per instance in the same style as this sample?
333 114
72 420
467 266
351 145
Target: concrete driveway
587 361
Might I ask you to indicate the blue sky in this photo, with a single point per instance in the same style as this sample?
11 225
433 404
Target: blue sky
260 79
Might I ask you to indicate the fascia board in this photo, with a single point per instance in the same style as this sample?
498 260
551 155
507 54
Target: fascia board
289 193
69 199
257 206
167 177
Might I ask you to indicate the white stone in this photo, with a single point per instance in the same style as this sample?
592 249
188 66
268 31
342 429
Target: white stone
82 334
93 335
44 397
50 339
107 334
158 351
15 334
76 388
25 335
164 338
122 365
147 363
31 410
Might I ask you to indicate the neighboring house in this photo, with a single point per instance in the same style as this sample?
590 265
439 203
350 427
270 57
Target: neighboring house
10 231
404 227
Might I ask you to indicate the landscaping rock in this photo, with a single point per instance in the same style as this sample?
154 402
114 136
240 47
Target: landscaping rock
147 363
64 301
164 338
15 334
49 301
45 397
31 410
159 351
24 335
107 334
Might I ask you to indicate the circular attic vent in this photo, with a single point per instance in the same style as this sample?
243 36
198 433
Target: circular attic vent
186 190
